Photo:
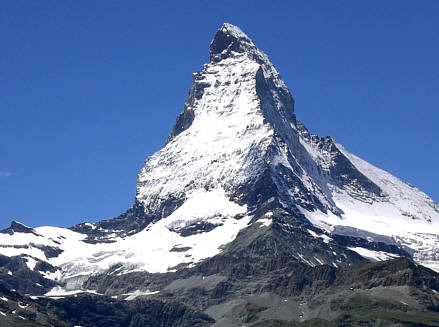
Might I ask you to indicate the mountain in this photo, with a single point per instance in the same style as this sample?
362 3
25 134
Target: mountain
245 216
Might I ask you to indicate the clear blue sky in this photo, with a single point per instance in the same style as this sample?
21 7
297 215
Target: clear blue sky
89 89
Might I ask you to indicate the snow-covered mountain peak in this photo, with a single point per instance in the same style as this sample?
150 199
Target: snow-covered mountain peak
237 164
229 38
237 104
238 132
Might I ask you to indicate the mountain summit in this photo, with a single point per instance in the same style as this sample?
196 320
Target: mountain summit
240 179
227 39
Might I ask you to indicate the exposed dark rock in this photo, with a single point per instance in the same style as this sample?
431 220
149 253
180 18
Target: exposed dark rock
184 120
49 251
130 222
180 249
22 311
88 310
351 241
15 274
17 227
225 41
342 171
308 281
200 227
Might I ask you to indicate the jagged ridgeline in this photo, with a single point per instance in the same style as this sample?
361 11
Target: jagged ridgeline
243 218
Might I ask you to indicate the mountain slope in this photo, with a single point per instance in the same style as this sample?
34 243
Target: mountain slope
241 188
247 293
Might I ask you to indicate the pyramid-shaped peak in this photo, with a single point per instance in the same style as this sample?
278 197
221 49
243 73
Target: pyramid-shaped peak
227 39
233 30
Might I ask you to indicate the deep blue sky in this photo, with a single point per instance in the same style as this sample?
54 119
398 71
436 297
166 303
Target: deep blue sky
89 89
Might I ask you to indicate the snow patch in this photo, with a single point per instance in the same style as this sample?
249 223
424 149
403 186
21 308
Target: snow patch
31 263
92 226
319 261
58 292
265 222
137 293
373 255
324 237
203 205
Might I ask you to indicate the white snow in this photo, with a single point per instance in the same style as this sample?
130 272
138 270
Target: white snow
265 222
319 260
27 243
60 292
3 298
229 136
148 250
406 216
2 313
203 205
324 237
219 148
31 263
137 293
90 225
302 258
373 255
56 275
